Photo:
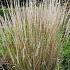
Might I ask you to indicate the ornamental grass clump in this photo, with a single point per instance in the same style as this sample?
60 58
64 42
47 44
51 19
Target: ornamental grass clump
28 35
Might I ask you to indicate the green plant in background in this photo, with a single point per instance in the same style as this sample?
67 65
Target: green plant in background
1 12
34 38
66 54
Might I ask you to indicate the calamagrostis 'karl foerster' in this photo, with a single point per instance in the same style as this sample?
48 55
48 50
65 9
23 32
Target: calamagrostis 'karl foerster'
29 35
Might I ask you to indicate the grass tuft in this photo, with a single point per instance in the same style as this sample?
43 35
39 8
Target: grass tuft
32 38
